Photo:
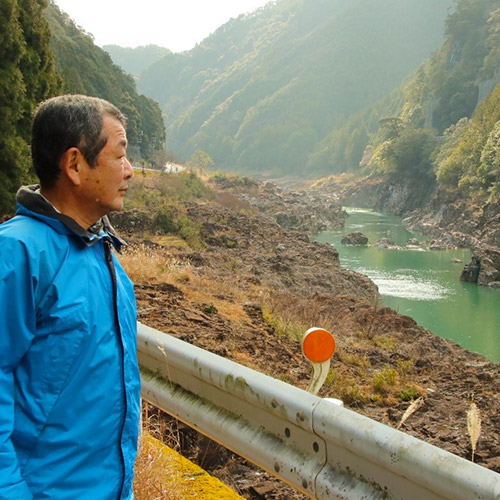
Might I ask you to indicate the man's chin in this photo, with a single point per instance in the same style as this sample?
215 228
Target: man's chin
117 207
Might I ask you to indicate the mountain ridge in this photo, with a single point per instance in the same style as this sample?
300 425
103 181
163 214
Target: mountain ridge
87 69
264 89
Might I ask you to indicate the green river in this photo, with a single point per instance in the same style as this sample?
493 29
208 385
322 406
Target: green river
423 284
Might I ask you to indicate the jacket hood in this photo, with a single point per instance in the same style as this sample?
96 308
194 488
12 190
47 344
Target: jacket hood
31 202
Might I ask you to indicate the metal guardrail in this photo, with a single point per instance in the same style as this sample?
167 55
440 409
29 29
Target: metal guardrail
324 450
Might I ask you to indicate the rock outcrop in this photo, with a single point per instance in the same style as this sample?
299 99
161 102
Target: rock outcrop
381 195
268 253
304 210
355 238
484 268
452 222
470 272
385 243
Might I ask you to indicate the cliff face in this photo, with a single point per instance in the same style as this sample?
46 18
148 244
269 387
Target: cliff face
383 196
377 193
453 222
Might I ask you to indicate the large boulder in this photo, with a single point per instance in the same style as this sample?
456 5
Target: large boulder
355 238
484 267
385 243
471 271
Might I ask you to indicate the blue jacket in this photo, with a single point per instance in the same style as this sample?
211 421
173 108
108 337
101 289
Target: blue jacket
69 380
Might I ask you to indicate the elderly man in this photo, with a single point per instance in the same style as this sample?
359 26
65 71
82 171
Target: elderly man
69 380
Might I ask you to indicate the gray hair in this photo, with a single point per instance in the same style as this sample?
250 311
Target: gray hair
64 122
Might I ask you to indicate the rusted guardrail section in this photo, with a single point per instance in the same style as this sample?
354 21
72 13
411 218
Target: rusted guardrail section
322 449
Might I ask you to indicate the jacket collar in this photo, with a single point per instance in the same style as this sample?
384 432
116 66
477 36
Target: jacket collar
31 202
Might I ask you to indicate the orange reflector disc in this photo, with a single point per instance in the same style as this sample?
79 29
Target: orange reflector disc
318 345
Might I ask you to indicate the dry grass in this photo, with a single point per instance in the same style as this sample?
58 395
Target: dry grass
168 240
290 316
150 482
225 298
417 404
146 264
246 359
162 473
386 380
390 385
406 368
473 426
352 359
158 265
385 341
344 386
234 203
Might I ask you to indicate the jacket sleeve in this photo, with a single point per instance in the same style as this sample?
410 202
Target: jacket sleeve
17 327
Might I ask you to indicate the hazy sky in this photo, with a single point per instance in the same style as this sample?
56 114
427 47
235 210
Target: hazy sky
175 24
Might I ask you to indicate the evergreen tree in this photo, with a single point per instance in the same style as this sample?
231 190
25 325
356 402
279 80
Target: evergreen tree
27 76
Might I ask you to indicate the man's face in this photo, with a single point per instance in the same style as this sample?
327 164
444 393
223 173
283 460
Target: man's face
105 184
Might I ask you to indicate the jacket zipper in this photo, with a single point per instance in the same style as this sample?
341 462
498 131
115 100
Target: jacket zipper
112 271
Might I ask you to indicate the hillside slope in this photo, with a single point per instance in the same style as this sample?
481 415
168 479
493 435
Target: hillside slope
135 60
251 288
266 88
445 138
87 69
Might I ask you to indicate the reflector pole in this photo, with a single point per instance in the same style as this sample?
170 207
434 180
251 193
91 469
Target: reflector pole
318 346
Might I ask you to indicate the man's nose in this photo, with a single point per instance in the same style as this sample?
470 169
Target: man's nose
129 171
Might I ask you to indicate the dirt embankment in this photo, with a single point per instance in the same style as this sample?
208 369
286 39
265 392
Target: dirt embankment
255 286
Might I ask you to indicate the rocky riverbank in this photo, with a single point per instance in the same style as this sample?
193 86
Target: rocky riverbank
253 287
453 222
446 219
303 209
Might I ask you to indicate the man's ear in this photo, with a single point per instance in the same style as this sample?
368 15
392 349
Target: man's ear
71 165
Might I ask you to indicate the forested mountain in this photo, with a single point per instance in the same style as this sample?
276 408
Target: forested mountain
85 68
27 75
135 60
448 128
264 92
42 54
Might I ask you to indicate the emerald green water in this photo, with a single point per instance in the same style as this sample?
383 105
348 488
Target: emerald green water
423 284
